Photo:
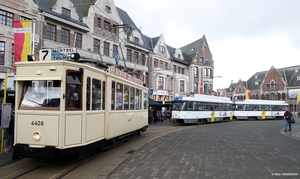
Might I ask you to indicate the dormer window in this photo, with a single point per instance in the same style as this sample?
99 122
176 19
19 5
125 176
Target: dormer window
240 89
179 56
162 49
298 78
256 83
66 12
107 9
136 39
201 59
193 49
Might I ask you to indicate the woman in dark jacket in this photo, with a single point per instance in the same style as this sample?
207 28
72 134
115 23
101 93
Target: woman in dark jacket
287 116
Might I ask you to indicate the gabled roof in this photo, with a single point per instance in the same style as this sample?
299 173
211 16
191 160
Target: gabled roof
171 51
129 26
189 51
288 74
81 6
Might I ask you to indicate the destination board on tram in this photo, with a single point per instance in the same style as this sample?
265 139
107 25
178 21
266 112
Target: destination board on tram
56 54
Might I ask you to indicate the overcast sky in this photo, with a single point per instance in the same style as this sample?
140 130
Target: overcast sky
244 36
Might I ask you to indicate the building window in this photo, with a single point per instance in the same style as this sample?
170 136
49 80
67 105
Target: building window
205 72
162 49
115 50
12 55
96 46
136 39
6 18
181 88
182 70
2 52
240 89
113 29
166 65
178 69
155 63
136 57
66 12
106 49
298 77
201 59
160 82
107 9
208 74
272 85
196 87
22 18
143 58
204 47
107 25
78 40
174 68
51 32
196 72
98 22
65 36
178 56
161 64
129 55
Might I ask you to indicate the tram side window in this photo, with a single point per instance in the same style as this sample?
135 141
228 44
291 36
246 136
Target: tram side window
113 92
145 100
132 95
249 107
189 106
103 95
119 96
126 98
96 94
74 90
137 99
255 107
88 93
41 93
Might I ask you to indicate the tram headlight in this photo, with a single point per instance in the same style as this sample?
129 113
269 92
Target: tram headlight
36 136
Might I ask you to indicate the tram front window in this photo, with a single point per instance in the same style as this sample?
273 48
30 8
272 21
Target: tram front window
178 105
41 93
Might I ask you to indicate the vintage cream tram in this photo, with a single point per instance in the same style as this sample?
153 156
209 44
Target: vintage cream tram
64 108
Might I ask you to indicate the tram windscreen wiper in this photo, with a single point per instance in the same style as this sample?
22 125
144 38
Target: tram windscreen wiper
35 102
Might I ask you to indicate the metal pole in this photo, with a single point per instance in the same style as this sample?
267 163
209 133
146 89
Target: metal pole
33 36
4 101
149 62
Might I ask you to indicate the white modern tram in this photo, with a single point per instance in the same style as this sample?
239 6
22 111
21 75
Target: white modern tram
201 109
64 108
250 109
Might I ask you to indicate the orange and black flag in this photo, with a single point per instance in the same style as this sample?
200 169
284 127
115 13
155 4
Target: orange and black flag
248 94
22 40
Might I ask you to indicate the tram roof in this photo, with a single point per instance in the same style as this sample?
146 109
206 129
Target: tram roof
257 101
204 98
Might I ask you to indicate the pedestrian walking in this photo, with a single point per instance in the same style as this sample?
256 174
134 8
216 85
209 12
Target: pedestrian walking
287 116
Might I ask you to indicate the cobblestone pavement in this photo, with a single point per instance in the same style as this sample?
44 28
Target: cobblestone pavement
236 149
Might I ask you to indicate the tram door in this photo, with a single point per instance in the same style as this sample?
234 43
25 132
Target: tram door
73 108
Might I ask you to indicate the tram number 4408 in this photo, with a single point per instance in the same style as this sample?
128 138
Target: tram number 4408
37 123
